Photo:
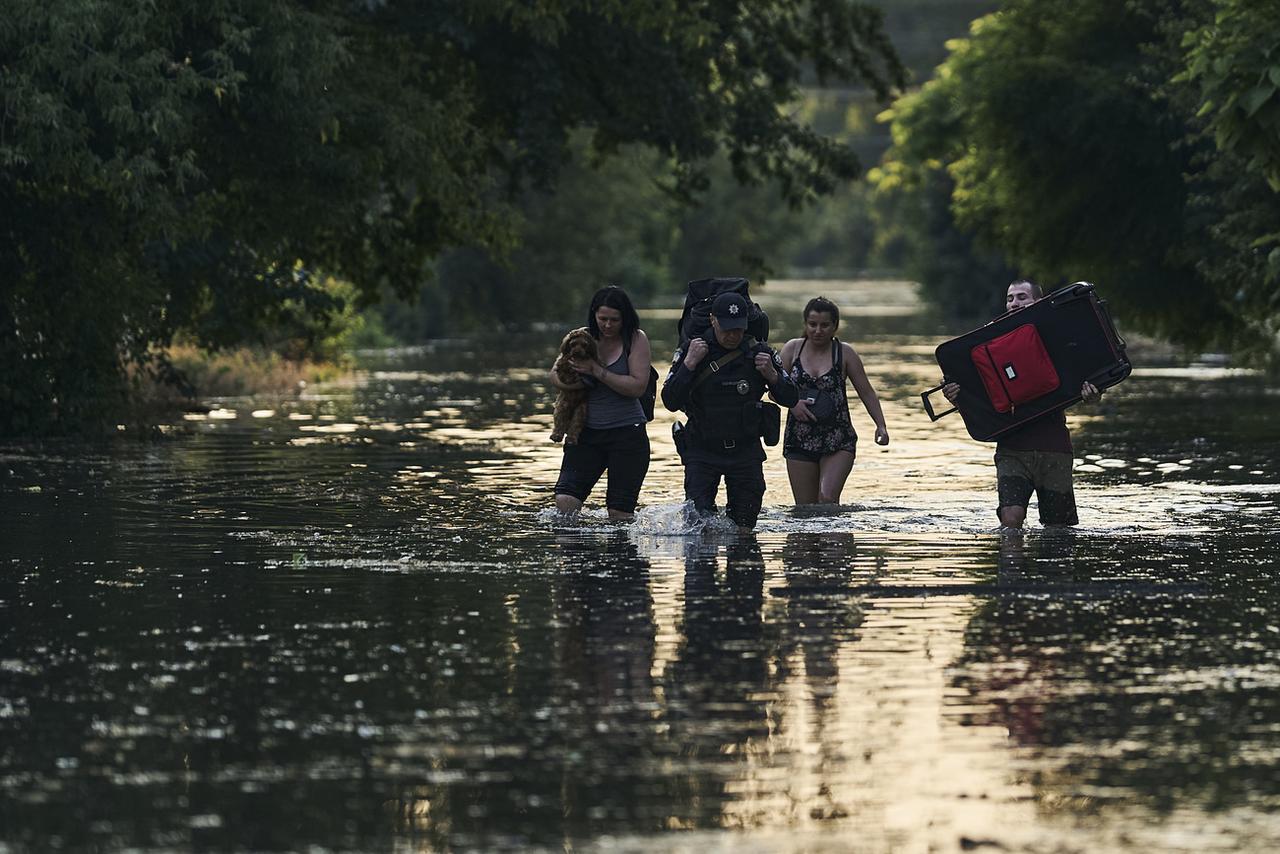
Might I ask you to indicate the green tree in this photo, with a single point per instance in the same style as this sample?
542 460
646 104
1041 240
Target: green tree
1074 154
1232 79
607 221
1235 64
197 167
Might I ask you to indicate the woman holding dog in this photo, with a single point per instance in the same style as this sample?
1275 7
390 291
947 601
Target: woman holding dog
820 443
614 438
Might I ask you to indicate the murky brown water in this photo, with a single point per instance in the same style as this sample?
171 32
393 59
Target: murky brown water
348 622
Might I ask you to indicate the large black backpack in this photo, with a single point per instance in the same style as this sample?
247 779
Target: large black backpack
695 320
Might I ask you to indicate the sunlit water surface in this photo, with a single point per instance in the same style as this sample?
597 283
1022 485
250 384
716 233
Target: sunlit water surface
349 621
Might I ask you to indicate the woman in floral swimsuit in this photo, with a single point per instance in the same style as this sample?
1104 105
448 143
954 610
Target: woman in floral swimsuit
820 453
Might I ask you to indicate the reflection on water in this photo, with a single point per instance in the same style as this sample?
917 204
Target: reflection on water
349 622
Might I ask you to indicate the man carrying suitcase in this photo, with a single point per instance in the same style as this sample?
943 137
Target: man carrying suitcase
1037 457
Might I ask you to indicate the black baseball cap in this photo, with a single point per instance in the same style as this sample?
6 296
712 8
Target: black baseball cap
730 311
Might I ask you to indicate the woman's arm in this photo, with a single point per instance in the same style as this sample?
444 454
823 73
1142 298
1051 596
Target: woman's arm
857 374
634 381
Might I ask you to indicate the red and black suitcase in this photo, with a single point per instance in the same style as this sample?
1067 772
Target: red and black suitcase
1031 362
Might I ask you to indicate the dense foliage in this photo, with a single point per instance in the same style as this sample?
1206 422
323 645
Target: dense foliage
1125 143
196 168
1235 63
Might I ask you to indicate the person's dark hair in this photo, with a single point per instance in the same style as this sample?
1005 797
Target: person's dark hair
613 296
1036 292
820 305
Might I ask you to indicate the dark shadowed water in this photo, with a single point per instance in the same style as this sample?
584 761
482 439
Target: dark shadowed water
348 622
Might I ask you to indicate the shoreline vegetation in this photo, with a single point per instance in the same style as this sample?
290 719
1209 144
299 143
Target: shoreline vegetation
201 380
282 369
248 371
213 376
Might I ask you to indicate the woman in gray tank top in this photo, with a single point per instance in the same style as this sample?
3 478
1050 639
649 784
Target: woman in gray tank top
615 438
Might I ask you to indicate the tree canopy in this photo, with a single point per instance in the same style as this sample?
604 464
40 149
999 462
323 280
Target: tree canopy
194 167
1234 61
1123 143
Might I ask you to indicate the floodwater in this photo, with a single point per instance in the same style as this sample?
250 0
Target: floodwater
348 622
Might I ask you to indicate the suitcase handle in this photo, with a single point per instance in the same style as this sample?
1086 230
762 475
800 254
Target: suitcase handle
1111 325
928 407
1115 373
1071 293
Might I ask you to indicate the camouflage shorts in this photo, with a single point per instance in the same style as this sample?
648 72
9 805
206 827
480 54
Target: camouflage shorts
1047 474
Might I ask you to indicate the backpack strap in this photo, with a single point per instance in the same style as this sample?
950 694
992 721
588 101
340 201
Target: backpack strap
714 367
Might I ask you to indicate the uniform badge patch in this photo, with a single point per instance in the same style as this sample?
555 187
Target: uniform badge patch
743 387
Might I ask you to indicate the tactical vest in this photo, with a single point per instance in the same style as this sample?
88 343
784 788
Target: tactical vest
726 404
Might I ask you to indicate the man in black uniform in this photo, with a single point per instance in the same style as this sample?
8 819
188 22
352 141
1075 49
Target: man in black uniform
719 381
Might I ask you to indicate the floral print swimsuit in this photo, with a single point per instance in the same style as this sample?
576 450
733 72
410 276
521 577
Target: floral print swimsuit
814 439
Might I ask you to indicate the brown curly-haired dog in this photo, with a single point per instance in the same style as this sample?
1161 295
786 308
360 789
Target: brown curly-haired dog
570 414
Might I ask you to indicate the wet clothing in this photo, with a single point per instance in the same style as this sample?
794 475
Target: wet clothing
1048 474
606 408
1038 458
615 439
806 440
722 437
802 456
743 485
624 451
1043 434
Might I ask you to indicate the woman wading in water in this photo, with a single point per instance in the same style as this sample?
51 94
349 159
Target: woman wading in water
820 442
615 438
